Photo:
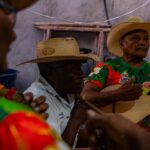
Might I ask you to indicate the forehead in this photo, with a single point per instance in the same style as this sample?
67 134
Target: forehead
135 32
69 63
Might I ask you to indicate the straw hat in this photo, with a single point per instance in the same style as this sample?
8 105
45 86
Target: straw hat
20 4
121 29
56 49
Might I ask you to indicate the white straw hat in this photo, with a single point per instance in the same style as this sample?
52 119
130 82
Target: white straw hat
133 23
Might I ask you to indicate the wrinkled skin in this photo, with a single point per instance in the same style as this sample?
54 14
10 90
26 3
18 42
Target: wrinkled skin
135 46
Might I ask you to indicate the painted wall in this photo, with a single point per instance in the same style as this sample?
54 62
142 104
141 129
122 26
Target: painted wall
24 48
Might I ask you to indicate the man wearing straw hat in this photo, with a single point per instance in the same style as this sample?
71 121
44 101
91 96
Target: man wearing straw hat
130 42
61 80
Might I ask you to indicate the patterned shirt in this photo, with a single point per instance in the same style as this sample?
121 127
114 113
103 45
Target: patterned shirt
117 71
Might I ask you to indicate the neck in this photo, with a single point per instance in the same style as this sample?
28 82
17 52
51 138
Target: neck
133 60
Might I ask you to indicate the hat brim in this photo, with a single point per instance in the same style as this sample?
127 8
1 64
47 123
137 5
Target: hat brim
59 58
113 40
20 4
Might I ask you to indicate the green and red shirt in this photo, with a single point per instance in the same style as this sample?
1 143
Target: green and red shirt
117 71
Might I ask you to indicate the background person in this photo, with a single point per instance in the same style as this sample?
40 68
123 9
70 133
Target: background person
130 42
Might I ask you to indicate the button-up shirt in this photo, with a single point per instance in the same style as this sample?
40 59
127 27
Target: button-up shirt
59 109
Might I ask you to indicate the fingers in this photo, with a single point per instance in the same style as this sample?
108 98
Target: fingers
38 105
130 81
28 97
41 108
130 92
45 115
40 100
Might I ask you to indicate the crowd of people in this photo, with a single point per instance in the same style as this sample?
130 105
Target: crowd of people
54 106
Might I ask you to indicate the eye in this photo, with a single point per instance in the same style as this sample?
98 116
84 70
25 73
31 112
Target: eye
146 38
135 38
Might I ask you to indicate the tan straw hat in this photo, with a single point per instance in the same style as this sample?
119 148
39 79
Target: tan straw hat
20 4
56 49
133 23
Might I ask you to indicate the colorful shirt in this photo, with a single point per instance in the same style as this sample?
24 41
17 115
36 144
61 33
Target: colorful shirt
21 129
117 71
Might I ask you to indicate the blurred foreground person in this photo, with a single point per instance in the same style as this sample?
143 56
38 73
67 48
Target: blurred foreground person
118 132
8 12
20 128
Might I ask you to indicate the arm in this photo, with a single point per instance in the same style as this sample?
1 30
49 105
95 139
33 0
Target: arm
120 132
128 91
78 117
91 92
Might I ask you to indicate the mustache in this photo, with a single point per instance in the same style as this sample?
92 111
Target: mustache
144 48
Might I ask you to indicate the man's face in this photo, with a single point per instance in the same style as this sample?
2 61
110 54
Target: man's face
135 44
7 36
67 75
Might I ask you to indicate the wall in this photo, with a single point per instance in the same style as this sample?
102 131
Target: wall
75 10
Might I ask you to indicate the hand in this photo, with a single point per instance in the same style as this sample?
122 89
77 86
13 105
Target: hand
38 104
119 132
129 91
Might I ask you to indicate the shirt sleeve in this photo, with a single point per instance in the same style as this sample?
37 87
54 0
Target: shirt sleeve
99 75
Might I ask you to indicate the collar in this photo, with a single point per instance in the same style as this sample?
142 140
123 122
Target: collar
48 87
52 91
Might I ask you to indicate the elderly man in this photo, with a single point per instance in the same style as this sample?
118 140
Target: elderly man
129 41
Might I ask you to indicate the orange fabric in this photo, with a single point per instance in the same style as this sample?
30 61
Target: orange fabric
26 131
1 86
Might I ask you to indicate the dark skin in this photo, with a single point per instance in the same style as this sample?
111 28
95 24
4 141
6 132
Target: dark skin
64 73
7 36
67 78
135 47
120 133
